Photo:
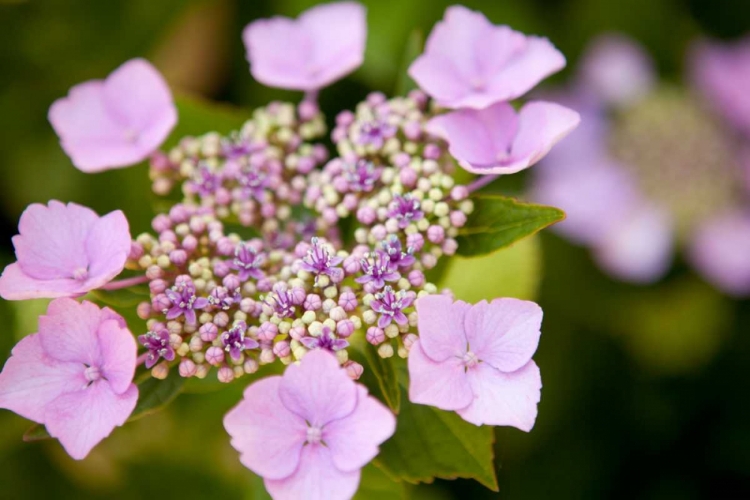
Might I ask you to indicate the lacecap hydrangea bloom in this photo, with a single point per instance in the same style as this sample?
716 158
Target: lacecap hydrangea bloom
280 250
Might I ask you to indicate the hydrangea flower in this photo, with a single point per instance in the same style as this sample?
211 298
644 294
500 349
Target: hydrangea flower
497 140
65 251
470 63
157 345
324 44
309 432
75 376
235 340
326 340
116 122
476 360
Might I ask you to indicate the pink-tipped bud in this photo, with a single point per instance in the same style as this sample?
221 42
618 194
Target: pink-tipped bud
247 306
298 295
157 286
297 332
345 118
415 241
429 261
187 368
337 313
221 268
366 215
348 301
459 193
307 110
250 365
190 243
450 246
379 232
282 349
431 152
221 319
161 303
375 335
208 332
267 356
436 234
267 331
312 302
154 272
215 355
144 310
231 282
408 177
161 223
352 264
196 344
179 213
225 246
416 278
225 374
136 251
345 328
458 218
178 257
409 340
353 369
197 225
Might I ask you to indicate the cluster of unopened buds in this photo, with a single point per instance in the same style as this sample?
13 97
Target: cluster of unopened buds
281 251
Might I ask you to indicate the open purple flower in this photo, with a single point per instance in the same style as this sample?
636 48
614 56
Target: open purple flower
117 122
405 209
65 251
247 261
184 301
309 432
476 360
362 175
235 341
320 261
374 133
497 140
377 269
75 376
157 344
324 44
470 63
326 340
397 256
390 305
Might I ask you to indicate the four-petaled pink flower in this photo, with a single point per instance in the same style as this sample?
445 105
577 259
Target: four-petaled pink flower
64 251
75 376
470 63
324 44
476 359
309 432
117 122
497 140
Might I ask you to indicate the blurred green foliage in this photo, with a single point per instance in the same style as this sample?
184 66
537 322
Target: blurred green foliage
643 386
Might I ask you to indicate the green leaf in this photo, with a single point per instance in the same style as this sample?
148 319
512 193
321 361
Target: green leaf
376 485
498 221
126 297
414 46
384 373
154 394
431 443
36 432
198 116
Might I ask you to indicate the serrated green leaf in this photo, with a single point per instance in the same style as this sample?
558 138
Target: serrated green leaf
377 485
498 221
431 443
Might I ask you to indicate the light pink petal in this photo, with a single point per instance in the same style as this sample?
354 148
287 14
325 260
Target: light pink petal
430 72
441 384
504 333
720 250
278 52
354 439
31 379
81 419
107 247
15 285
639 249
119 353
268 436
441 326
52 240
68 331
541 126
316 478
504 398
318 389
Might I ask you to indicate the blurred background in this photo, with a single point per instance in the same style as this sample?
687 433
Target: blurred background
645 386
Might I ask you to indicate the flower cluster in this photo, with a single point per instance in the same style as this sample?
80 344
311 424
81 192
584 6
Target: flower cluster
281 251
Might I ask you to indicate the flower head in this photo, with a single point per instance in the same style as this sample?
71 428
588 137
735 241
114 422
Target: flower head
390 305
497 140
117 122
235 341
309 432
470 63
322 45
157 344
320 261
377 269
361 175
476 360
326 340
247 260
65 251
396 254
405 209
184 301
75 376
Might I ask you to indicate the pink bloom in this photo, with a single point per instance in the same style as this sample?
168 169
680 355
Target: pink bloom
722 73
476 359
471 63
324 44
309 432
497 140
65 251
75 376
117 122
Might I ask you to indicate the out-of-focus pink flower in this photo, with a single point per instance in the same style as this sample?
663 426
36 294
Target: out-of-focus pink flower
476 360
471 63
720 250
75 376
722 74
497 140
64 251
324 44
116 122
617 70
309 432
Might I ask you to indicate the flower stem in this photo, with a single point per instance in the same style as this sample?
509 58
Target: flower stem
125 283
480 182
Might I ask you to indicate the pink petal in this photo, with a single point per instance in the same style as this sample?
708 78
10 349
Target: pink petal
541 126
354 439
316 478
119 353
31 379
15 285
68 331
268 436
720 250
441 326
504 333
107 247
51 243
318 389
504 398
441 384
81 419
639 248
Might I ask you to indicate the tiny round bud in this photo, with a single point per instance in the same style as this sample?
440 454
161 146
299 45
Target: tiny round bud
409 340
337 313
225 374
391 331
143 310
160 371
435 234
375 335
250 365
457 218
385 350
187 368
221 319
282 349
215 355
353 369
416 278
196 344
208 332
345 328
